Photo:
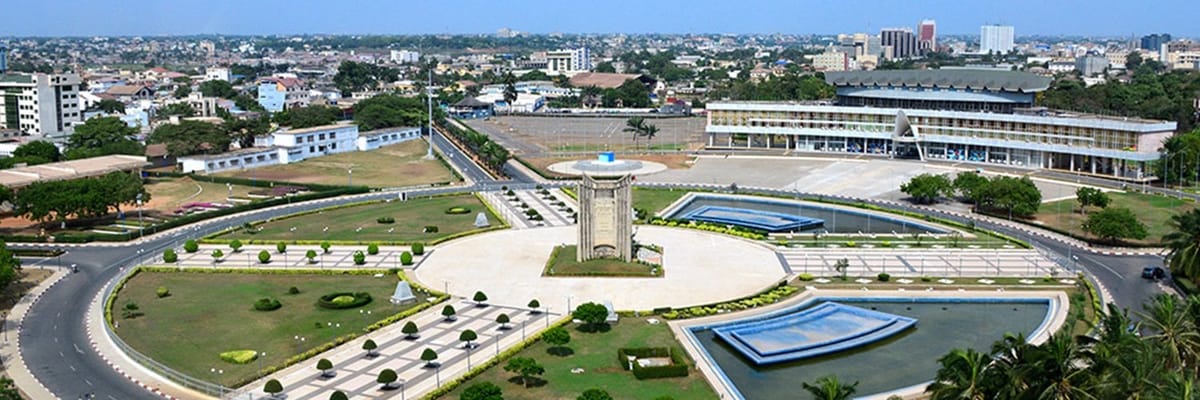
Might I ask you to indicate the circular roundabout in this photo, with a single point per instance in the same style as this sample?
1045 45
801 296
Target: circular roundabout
607 167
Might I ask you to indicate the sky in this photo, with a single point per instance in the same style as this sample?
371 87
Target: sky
182 17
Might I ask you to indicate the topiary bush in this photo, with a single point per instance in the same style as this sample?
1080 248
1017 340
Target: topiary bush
236 245
281 247
239 356
418 248
267 304
169 256
458 210
360 258
430 229
191 246
373 249
385 220
264 257
805 277
344 300
884 277
162 291
406 258
293 290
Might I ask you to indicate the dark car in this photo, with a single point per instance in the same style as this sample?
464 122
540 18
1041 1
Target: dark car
1153 273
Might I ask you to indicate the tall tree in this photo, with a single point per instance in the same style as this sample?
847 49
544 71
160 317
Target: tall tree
1183 244
37 152
960 377
102 136
110 106
510 90
217 88
1174 329
1113 224
307 117
355 76
635 126
829 388
927 188
191 137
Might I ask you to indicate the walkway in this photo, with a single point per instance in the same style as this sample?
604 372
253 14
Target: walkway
920 262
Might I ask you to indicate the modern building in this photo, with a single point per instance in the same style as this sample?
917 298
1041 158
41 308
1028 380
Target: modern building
958 89
995 39
926 129
405 56
1155 41
569 60
901 41
3 59
217 74
40 104
1091 64
927 36
289 146
276 94
831 61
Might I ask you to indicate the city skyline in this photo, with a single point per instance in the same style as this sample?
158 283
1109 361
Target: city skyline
150 18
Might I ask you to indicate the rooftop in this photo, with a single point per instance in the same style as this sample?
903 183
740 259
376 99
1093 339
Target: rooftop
313 129
386 131
601 79
74 169
1011 81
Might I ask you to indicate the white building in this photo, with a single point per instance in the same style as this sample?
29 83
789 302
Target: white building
217 74
831 61
40 104
995 39
289 146
1091 65
571 60
405 56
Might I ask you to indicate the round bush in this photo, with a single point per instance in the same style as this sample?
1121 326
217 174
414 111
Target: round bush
162 291
267 304
458 210
884 277
385 220
169 256
191 246
344 300
418 248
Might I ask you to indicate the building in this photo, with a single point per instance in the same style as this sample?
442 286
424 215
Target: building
927 36
995 39
129 93
3 59
471 108
1091 65
570 60
289 146
208 47
945 89
276 94
405 56
217 74
1117 58
68 170
831 61
901 41
1155 41
40 104
1116 147
605 80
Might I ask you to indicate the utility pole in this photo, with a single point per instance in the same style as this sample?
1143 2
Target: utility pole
429 123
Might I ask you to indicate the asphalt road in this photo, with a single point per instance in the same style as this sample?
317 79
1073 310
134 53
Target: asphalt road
54 341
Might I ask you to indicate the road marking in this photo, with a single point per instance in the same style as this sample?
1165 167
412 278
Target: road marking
72 367
77 349
88 382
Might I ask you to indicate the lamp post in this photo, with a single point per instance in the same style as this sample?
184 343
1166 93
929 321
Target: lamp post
299 342
141 228
350 176
261 356
216 373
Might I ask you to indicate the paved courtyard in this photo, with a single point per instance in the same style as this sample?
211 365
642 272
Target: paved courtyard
699 267
924 262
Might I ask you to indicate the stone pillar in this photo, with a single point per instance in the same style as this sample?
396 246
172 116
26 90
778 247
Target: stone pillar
605 219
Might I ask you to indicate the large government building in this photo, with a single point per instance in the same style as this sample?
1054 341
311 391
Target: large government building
975 116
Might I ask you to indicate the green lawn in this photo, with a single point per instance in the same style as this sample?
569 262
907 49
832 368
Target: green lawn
564 263
411 218
401 164
1154 211
207 314
654 200
596 353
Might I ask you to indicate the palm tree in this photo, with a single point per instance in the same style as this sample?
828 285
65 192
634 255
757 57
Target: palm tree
1177 386
1008 375
1173 329
960 377
510 90
1183 244
829 388
649 131
1063 370
636 126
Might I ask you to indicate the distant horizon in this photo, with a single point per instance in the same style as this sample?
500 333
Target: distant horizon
151 18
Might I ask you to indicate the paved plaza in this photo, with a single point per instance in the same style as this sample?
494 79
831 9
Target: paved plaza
700 268
356 372
918 263
515 215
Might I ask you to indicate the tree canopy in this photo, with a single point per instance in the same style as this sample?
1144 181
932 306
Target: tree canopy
1183 244
387 111
591 313
87 197
1150 94
176 109
355 76
526 367
1114 223
190 137
307 117
1090 196
482 391
927 188
37 152
217 88
102 136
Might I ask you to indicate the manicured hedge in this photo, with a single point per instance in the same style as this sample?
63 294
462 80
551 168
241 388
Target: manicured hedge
677 368
344 300
267 304
239 356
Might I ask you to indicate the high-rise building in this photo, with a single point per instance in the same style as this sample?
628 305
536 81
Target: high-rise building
995 39
1155 41
405 56
569 60
901 41
3 59
927 36
40 104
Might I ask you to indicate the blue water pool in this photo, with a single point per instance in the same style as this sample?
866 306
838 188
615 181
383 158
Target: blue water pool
835 220
763 220
820 330
902 360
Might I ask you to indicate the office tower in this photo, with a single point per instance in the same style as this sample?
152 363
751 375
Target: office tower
901 40
995 39
927 36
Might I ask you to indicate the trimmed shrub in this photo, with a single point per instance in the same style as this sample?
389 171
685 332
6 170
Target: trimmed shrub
385 220
458 210
372 249
281 247
430 229
418 248
264 257
884 277
267 304
344 300
169 256
325 247
236 245
406 258
338 395
312 256
360 258
805 277
217 254
293 290
162 291
273 387
191 246
239 356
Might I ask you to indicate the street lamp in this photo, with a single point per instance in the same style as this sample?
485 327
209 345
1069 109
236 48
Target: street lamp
299 342
216 373
141 228
261 356
350 176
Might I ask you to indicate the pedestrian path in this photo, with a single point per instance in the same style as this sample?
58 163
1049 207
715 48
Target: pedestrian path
338 257
920 262
513 208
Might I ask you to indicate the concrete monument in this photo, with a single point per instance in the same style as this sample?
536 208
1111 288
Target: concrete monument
605 219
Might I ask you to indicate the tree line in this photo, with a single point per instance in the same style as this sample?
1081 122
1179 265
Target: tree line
46 201
1005 194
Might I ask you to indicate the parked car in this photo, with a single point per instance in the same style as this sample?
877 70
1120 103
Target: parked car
1153 273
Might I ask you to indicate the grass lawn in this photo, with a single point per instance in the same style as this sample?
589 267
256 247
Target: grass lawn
1154 211
655 200
563 263
596 353
207 314
401 164
411 218
167 194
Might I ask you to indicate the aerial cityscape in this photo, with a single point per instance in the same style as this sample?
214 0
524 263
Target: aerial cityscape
857 199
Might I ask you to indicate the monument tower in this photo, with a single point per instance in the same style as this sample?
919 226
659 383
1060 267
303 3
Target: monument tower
605 220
